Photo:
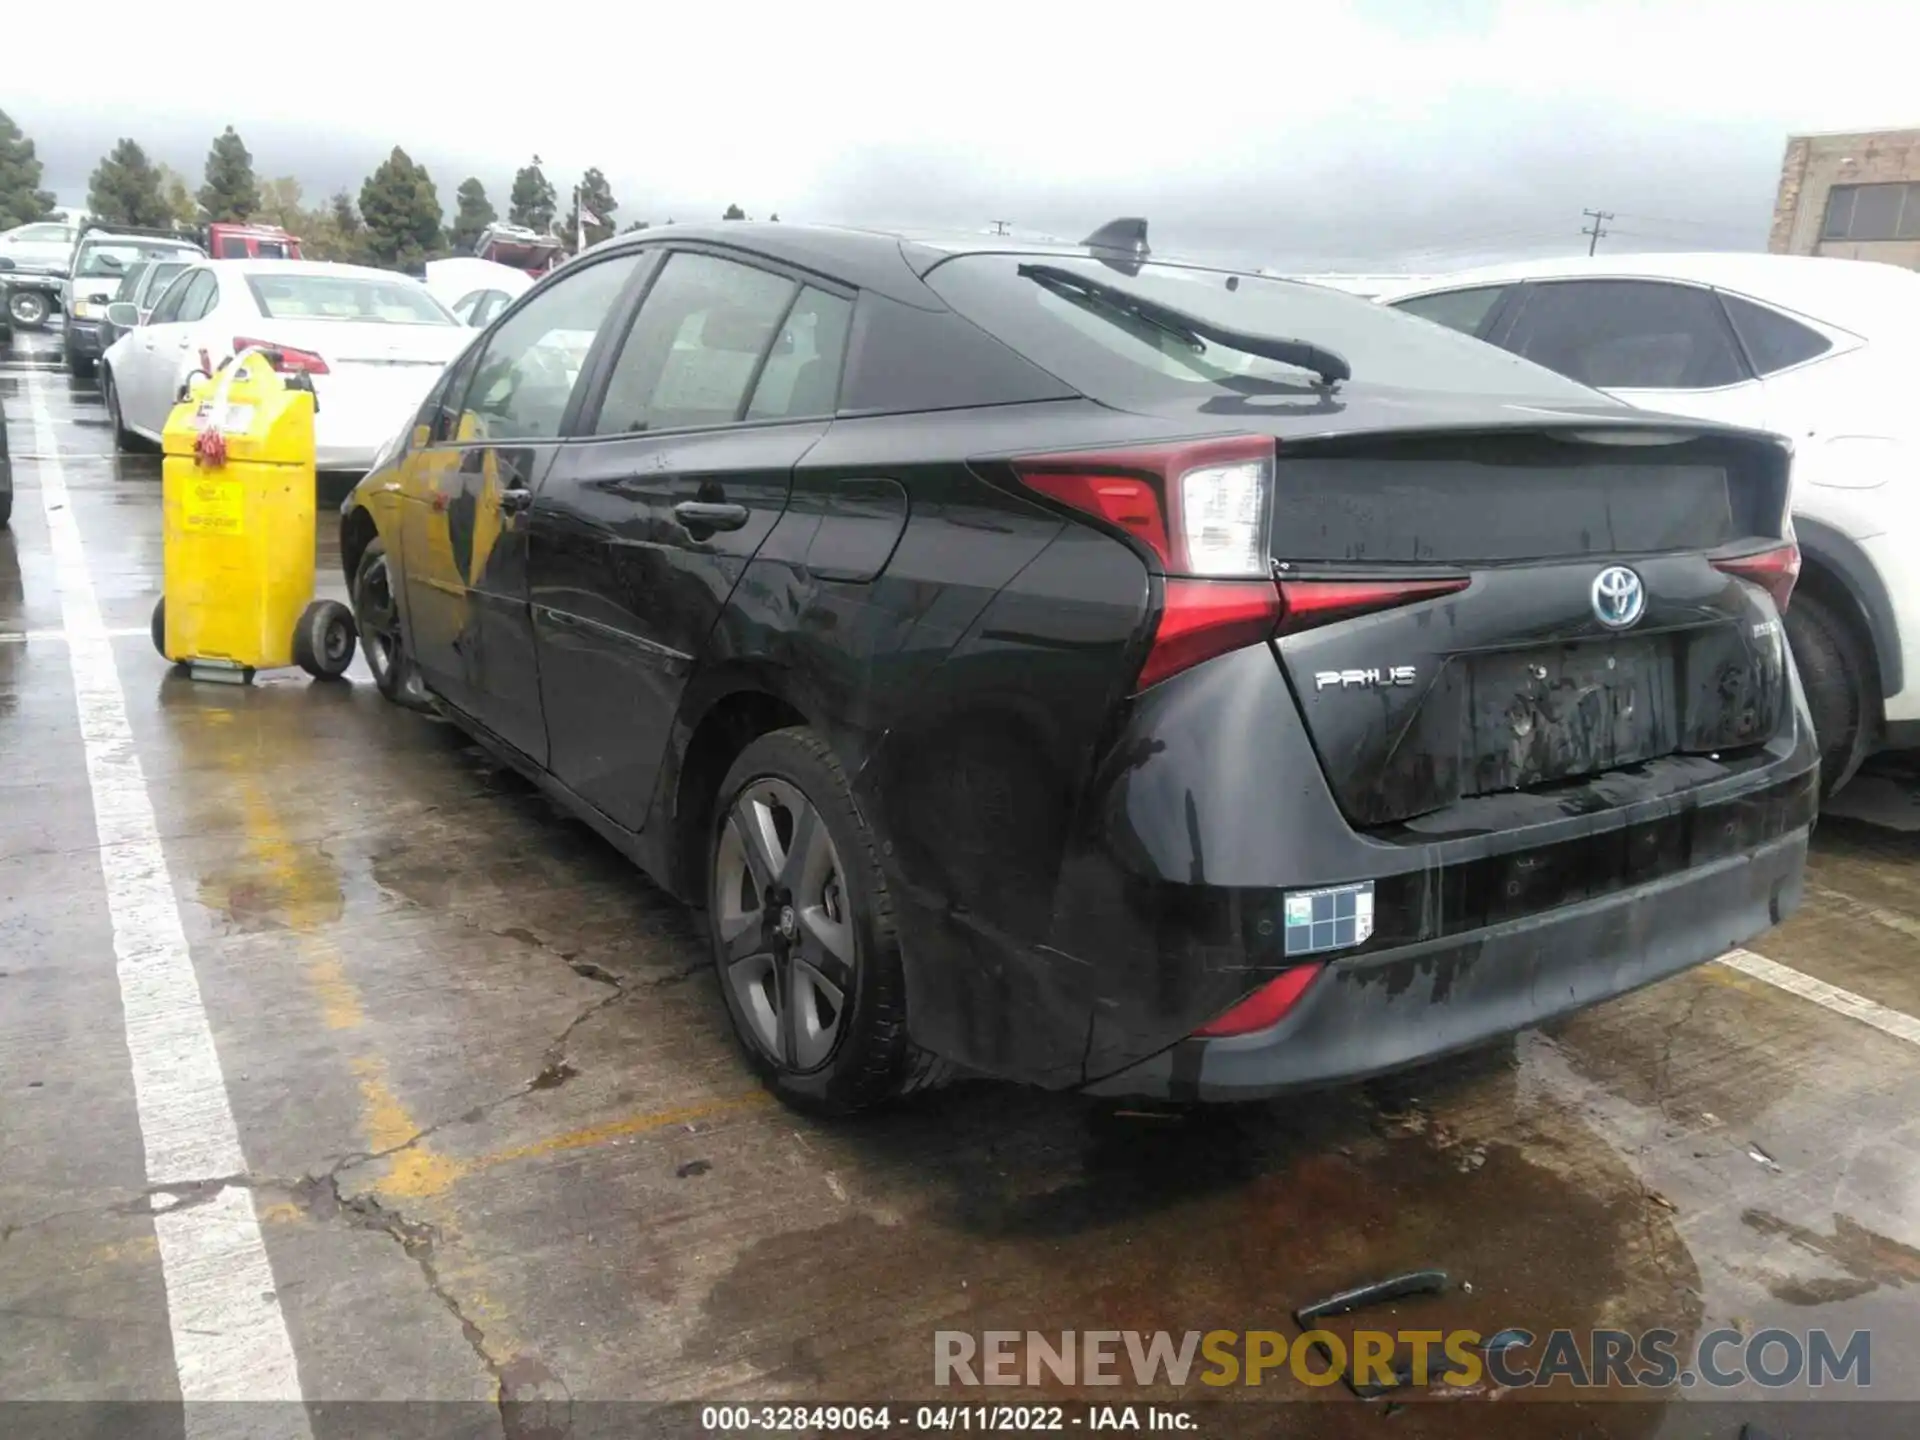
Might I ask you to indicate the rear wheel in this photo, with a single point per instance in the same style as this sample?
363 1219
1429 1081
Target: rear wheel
323 640
157 627
78 365
6 508
376 611
27 309
1837 673
802 933
123 438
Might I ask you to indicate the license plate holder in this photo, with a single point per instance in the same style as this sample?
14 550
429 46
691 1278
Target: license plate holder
1549 714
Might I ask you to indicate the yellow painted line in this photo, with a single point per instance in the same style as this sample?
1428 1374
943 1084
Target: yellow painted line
594 1135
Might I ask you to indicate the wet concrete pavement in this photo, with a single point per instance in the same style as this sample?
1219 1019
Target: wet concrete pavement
499 1146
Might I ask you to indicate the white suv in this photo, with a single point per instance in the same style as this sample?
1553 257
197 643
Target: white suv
1822 351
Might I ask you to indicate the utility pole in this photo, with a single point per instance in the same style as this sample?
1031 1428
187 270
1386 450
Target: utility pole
1593 235
1000 226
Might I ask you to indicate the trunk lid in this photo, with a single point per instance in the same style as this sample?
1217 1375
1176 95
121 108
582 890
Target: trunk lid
1595 631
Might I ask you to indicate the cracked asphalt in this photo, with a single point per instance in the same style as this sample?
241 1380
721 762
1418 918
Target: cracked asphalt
503 1154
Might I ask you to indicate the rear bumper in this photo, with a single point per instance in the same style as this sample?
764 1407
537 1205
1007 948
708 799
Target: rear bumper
1093 965
1382 1012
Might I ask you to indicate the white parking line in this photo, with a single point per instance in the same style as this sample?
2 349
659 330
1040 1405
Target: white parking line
230 1339
1896 1023
58 637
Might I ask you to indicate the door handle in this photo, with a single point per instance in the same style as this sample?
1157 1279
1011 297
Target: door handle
711 514
514 502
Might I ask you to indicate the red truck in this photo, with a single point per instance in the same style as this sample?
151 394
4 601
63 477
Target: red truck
229 241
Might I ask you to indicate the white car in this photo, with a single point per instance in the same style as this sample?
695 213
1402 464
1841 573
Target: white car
476 290
371 342
1821 351
43 245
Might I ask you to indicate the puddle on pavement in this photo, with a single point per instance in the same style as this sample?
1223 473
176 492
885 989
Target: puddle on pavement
995 1209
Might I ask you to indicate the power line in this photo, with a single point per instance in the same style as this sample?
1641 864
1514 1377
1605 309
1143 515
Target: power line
1594 232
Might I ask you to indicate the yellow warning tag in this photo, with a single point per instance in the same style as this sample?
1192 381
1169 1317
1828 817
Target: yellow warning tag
215 507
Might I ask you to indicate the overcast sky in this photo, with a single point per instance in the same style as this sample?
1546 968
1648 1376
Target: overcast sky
1417 134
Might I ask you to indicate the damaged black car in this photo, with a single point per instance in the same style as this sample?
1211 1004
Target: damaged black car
1064 665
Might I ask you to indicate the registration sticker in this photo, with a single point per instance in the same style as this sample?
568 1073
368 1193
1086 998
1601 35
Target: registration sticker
214 507
1329 919
238 421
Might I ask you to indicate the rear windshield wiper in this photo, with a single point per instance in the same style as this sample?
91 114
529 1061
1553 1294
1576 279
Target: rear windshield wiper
1330 366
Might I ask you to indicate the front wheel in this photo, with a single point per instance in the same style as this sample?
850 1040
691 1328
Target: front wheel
323 641
802 932
376 611
79 366
1837 673
27 309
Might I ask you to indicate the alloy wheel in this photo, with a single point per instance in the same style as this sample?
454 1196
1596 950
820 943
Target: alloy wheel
378 618
785 924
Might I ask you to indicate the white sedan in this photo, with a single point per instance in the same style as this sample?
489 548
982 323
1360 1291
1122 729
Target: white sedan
371 342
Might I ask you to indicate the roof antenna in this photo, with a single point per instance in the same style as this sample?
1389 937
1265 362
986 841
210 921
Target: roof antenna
1127 234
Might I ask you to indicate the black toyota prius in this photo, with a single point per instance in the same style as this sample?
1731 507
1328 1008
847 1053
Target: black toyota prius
1062 664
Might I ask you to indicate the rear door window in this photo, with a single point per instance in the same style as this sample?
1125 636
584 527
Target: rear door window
198 297
1464 310
696 347
167 309
1773 341
802 375
1627 335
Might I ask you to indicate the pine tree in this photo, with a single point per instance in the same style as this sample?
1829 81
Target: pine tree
22 201
280 204
473 213
775 217
597 197
532 202
231 192
181 205
401 211
734 212
125 188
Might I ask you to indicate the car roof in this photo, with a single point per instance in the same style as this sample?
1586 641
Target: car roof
1854 294
889 261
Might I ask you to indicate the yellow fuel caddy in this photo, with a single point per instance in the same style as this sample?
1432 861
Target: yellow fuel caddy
238 497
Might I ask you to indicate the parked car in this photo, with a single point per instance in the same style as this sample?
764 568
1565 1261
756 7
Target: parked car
1094 671
475 290
101 260
43 245
141 287
371 342
6 474
30 296
1822 351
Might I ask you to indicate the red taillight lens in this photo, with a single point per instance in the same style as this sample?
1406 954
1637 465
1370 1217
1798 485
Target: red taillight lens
1205 618
1124 500
1774 571
288 359
1321 602
1265 1007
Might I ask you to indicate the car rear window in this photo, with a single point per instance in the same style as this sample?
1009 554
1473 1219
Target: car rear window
1122 361
345 297
117 258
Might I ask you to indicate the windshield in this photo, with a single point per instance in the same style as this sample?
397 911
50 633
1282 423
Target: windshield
1124 359
346 297
116 257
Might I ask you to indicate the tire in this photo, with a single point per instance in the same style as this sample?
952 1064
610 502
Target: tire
78 366
123 438
822 1022
157 627
376 614
323 641
1838 674
27 309
6 508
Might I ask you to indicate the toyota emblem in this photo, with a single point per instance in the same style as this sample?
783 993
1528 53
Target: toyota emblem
1619 597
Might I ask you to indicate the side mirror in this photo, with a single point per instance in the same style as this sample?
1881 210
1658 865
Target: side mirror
123 315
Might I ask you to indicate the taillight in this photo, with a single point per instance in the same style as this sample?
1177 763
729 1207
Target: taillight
1307 603
1205 618
1265 1007
1199 506
1774 571
287 359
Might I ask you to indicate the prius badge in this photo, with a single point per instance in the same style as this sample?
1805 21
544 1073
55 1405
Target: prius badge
1619 597
1373 679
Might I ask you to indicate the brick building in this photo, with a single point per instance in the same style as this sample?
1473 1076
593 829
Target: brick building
1854 195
